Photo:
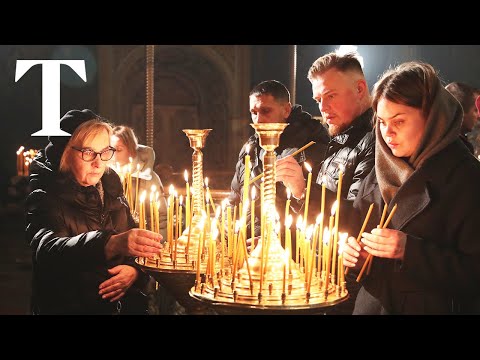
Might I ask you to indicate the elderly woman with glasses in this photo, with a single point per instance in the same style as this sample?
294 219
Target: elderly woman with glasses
80 229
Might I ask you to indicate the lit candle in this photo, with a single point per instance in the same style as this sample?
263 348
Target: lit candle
208 224
329 246
187 197
189 230
337 218
288 233
212 249
152 220
246 175
298 240
201 227
236 247
175 211
312 257
157 212
130 186
141 214
252 217
180 215
208 194
341 245
222 234
171 190
325 238
322 207
307 250
307 195
244 220
229 231
137 184
287 204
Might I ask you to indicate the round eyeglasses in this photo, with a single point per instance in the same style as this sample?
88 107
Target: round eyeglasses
90 155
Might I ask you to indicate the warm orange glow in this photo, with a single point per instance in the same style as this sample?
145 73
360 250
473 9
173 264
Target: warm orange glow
307 166
334 208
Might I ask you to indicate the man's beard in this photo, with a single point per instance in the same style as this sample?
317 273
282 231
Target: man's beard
334 130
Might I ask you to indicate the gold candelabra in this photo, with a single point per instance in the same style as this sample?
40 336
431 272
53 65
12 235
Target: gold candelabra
268 279
184 257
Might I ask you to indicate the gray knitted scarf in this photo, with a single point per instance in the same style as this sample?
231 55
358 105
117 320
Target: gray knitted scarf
442 128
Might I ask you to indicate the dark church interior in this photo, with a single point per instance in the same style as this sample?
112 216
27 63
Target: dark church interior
189 87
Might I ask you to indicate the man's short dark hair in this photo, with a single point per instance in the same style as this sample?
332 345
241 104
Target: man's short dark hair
272 87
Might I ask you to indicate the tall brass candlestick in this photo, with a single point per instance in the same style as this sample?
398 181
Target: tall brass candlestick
197 138
266 270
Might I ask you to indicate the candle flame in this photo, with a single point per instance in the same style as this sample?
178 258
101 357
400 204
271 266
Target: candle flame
334 208
245 208
151 196
185 175
307 166
237 226
218 212
247 148
319 218
206 182
341 168
171 189
299 222
181 200
289 193
309 232
324 179
224 203
326 235
138 167
214 232
153 188
288 221
143 196
343 236
130 159
253 192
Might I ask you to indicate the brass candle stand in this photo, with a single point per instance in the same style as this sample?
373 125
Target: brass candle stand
176 267
283 287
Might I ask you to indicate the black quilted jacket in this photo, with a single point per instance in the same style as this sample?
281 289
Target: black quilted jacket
67 228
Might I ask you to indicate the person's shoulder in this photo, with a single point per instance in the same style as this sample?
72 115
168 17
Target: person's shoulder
112 183
252 142
144 149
